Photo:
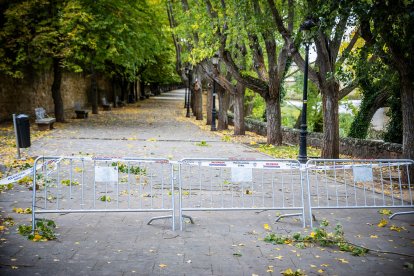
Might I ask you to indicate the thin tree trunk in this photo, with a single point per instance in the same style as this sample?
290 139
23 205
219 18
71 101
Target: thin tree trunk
330 101
135 90
209 105
198 104
56 92
407 107
124 87
274 126
141 90
224 99
113 82
239 127
94 91
193 101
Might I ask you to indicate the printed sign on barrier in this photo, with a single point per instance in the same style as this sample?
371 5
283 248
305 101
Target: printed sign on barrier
106 174
241 175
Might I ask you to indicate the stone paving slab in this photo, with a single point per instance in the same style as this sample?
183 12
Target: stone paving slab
219 243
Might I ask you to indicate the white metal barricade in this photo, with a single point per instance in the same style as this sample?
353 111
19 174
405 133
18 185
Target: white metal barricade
237 185
359 184
91 185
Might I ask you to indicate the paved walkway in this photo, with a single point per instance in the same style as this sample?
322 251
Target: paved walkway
228 243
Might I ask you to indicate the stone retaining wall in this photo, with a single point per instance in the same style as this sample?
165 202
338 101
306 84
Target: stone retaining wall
357 148
24 95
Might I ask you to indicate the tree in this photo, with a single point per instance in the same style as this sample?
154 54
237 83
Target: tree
332 19
32 37
392 24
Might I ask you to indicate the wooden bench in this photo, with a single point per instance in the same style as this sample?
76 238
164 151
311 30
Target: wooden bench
80 113
105 105
43 121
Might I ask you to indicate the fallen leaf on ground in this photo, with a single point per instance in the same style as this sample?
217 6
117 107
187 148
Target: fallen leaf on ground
396 228
385 212
162 265
267 227
343 261
382 223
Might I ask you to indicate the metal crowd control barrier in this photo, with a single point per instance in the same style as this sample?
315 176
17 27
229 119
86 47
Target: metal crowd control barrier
237 185
90 185
359 184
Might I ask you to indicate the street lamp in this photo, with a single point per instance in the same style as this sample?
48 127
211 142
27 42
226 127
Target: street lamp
215 61
185 94
306 29
190 67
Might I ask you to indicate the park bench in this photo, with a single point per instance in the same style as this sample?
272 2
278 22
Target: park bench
80 113
43 121
106 106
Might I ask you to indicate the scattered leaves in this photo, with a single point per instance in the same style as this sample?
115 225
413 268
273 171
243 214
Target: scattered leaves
382 223
290 272
267 227
22 211
396 228
105 198
385 212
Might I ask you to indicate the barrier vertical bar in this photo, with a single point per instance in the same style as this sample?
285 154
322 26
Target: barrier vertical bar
173 195
34 194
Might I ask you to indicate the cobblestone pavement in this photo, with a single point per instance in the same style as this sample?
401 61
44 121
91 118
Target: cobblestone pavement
219 243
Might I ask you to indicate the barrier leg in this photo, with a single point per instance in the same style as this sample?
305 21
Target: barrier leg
289 215
188 217
158 218
400 214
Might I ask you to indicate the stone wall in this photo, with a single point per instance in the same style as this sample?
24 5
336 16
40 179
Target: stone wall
24 95
357 148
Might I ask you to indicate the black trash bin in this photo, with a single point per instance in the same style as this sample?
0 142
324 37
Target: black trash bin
23 130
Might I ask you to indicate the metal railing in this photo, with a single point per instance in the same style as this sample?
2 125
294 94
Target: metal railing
359 184
99 184
92 185
237 185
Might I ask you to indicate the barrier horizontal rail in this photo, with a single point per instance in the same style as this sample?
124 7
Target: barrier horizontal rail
359 184
102 184
238 185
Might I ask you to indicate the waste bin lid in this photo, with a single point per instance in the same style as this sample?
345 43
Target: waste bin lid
21 116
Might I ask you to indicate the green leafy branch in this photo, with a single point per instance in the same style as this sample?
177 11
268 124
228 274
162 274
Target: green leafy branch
44 231
322 237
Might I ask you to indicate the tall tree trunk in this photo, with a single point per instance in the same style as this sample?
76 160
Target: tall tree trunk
141 90
224 99
198 102
274 119
407 107
113 82
209 105
56 92
193 101
124 88
330 102
94 91
239 127
136 90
